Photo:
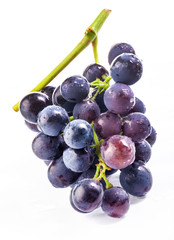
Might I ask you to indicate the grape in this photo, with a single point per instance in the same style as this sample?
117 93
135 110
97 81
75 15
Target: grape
52 119
118 151
119 98
136 179
151 139
46 147
136 126
72 204
87 195
32 126
57 99
48 90
75 89
78 134
94 71
32 104
138 107
118 49
86 110
126 68
107 124
115 202
143 151
78 160
87 174
59 175
100 101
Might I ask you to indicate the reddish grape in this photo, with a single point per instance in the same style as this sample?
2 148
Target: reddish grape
118 151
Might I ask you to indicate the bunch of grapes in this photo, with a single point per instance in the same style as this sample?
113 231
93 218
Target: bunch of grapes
89 129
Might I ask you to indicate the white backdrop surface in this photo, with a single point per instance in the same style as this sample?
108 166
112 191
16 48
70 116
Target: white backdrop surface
35 37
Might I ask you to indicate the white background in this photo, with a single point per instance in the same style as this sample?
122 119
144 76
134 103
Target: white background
35 36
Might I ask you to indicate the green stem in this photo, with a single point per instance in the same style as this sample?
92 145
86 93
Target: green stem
90 35
95 52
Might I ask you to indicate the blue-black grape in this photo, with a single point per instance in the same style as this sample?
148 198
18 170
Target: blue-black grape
118 151
143 151
151 139
75 89
115 202
86 110
94 71
52 119
136 126
32 104
78 134
136 179
32 126
78 160
59 175
48 90
118 49
72 204
46 147
138 107
119 98
87 195
57 99
100 101
126 68
107 124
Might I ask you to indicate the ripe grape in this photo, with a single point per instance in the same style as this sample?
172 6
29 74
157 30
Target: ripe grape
59 175
100 101
87 195
46 147
86 110
118 151
78 160
151 139
136 179
138 107
115 202
75 89
32 104
57 99
143 151
118 49
126 68
48 90
136 126
107 124
119 98
52 119
94 71
32 126
78 134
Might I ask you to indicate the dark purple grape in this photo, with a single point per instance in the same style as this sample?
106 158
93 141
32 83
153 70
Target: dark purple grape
48 90
52 119
87 174
136 126
107 124
72 204
78 134
118 151
100 101
118 49
138 107
32 104
57 99
78 160
94 71
126 68
115 202
75 89
86 110
119 98
59 175
151 139
136 179
32 126
142 151
87 195
46 147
